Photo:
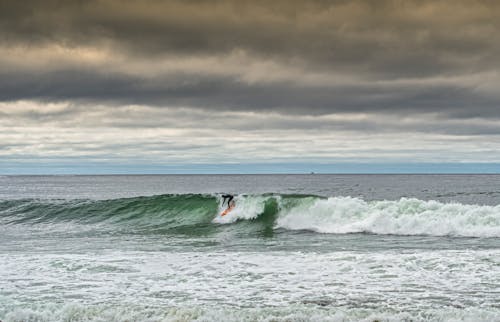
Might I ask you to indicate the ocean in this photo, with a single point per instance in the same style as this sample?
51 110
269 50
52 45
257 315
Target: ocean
295 248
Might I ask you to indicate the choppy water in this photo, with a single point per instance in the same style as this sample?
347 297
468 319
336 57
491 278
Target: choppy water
295 248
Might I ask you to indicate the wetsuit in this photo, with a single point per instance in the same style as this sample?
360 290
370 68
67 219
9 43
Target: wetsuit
228 197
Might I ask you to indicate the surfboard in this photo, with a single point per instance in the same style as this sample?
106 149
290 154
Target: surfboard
228 210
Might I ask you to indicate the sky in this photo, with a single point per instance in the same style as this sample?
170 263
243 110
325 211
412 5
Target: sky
150 86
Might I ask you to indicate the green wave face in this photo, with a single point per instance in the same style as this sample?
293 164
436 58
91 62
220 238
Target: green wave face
140 213
191 214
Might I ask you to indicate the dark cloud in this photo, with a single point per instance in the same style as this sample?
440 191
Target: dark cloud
401 37
221 93
370 41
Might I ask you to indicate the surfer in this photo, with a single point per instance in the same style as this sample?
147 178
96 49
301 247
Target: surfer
230 204
229 199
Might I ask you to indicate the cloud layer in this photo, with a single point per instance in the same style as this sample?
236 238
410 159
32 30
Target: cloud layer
326 80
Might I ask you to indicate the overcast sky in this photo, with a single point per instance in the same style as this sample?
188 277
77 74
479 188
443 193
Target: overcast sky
183 83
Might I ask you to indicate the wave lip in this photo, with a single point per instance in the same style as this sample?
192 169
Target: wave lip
407 216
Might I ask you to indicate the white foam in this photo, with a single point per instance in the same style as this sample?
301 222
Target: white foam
407 216
100 313
251 286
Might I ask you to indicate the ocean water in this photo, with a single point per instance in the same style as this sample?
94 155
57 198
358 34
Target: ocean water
295 248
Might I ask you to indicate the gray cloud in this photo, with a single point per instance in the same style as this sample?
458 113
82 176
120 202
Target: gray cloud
395 37
218 92
197 123
370 42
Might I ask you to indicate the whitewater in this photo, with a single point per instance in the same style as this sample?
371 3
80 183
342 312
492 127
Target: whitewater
295 248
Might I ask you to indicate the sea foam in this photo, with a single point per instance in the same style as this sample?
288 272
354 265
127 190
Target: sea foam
407 216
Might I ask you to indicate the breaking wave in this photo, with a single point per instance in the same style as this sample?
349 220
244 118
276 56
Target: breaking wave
192 212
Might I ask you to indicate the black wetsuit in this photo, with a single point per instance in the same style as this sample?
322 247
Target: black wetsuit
229 197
